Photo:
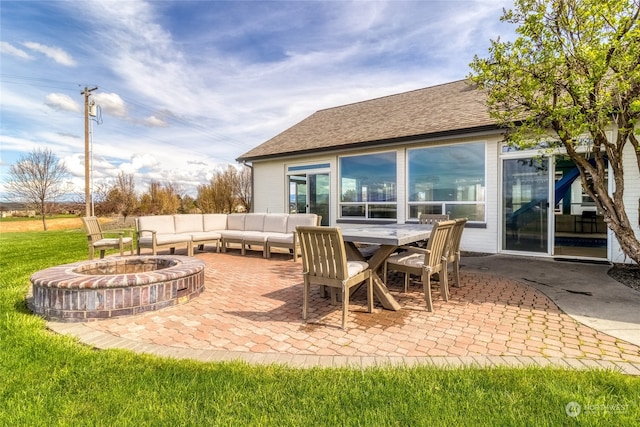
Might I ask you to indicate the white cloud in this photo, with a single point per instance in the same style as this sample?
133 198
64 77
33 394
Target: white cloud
61 102
138 163
9 49
153 121
75 165
111 103
139 50
15 144
237 74
141 161
55 53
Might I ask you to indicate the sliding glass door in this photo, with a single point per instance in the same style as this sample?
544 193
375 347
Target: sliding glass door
309 193
525 204
579 229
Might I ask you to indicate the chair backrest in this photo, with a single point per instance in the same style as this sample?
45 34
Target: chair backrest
323 252
456 237
432 218
92 227
438 242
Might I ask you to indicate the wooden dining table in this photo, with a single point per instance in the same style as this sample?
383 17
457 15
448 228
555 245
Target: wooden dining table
389 237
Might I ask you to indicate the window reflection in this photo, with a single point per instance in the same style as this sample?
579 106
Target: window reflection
447 180
368 186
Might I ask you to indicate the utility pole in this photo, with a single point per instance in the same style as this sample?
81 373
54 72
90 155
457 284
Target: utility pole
87 182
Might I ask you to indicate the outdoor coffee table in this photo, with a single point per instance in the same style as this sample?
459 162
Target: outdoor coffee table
389 237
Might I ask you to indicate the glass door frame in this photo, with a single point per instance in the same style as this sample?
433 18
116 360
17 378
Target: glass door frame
502 226
307 171
551 223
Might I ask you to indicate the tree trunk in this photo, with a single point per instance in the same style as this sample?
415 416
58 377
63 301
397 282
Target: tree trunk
43 212
612 206
627 239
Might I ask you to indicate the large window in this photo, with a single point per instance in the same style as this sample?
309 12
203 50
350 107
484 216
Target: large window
447 180
368 186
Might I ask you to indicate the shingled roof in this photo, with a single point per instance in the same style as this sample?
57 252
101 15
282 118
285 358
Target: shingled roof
450 108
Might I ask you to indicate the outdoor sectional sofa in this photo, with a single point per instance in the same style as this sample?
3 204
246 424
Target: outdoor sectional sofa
267 230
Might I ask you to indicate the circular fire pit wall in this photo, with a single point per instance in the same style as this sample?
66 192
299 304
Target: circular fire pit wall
118 286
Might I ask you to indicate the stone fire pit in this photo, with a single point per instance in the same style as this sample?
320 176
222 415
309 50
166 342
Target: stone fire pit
115 286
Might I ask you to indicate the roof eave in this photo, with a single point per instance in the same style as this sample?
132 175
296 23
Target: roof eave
372 143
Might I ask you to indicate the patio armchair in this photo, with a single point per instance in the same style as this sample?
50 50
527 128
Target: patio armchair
453 251
324 262
98 240
432 218
425 262
428 219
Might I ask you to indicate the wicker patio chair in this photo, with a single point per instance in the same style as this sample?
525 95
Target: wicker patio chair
324 262
425 262
98 240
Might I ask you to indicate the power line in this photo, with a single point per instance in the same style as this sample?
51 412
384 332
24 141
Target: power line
172 118
175 118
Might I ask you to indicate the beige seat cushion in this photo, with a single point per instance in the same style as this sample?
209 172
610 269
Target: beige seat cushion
162 224
214 222
188 223
110 242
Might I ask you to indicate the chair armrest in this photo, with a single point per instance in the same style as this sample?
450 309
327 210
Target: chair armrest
153 233
415 249
119 232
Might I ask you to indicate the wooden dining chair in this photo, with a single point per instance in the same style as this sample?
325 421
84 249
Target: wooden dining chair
425 262
98 240
324 262
432 218
453 251
426 219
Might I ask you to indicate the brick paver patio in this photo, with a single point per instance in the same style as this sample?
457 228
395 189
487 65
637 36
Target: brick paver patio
253 306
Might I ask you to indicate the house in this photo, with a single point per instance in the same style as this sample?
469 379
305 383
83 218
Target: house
434 150
11 209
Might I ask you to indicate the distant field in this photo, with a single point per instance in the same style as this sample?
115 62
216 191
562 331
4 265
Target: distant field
9 226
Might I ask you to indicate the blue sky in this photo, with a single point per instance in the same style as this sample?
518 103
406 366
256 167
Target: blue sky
185 87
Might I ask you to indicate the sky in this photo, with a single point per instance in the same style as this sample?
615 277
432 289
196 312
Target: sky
186 87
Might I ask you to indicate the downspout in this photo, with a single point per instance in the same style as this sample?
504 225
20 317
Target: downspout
244 163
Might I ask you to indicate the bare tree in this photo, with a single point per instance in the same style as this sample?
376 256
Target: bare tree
187 205
244 187
206 201
160 199
121 197
37 179
169 196
226 191
223 193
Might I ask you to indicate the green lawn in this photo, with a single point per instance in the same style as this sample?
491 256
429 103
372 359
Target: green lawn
49 380
9 219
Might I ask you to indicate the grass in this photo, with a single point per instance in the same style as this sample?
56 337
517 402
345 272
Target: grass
48 379
37 218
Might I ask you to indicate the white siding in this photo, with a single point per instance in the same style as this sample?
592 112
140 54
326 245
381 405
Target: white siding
269 187
271 183
486 239
271 191
631 203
